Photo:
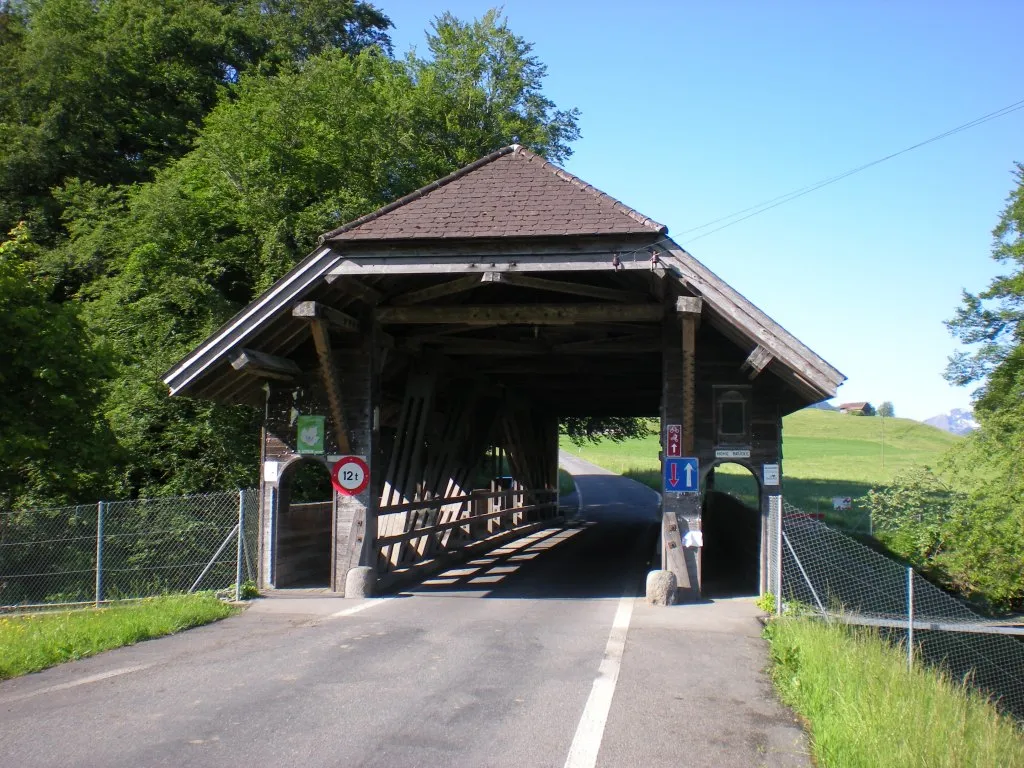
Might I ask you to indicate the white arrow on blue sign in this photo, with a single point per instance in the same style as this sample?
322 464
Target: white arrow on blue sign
682 475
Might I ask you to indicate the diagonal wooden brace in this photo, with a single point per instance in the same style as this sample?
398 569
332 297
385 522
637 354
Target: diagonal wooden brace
322 340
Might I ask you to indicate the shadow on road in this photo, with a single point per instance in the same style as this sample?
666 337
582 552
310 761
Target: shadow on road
603 550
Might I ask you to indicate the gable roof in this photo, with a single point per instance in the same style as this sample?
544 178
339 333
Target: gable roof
509 193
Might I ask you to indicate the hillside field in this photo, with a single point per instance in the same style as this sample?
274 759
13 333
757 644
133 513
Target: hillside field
825 454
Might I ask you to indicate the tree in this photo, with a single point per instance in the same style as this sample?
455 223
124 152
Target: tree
108 91
53 447
886 410
160 265
992 322
988 465
581 429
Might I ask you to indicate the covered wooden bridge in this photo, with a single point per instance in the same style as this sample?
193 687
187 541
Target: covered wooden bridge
440 339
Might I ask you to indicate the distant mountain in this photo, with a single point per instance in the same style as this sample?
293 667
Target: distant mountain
957 421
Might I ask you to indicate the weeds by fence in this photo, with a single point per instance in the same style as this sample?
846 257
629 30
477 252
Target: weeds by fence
842 580
127 549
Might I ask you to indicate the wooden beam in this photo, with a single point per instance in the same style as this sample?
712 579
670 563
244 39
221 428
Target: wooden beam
457 346
313 310
690 320
357 288
757 361
689 305
437 291
527 314
329 374
261 364
639 342
575 289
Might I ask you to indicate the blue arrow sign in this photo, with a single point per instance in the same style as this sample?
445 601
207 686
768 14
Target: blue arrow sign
682 475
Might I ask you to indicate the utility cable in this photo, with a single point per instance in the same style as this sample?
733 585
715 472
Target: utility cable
774 202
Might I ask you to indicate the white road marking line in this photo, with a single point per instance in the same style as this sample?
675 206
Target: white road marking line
361 607
587 742
75 683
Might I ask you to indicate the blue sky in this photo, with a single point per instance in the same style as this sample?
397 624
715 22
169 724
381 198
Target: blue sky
692 111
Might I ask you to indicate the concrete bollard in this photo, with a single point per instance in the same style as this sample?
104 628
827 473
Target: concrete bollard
661 588
360 582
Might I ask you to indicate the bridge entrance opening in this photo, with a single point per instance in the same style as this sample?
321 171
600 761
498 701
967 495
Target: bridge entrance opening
305 511
731 522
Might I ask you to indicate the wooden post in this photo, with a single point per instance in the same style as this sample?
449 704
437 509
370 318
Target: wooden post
355 522
681 511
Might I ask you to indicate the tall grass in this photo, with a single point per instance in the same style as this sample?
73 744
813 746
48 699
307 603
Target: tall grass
865 708
33 642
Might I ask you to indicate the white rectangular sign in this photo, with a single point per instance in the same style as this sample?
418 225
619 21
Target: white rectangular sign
270 471
771 474
732 453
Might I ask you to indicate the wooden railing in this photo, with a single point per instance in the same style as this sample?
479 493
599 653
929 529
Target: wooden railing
446 524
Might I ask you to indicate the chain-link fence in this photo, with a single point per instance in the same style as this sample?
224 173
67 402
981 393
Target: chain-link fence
840 578
126 549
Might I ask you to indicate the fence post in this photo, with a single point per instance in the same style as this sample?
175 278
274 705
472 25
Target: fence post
910 618
100 514
241 545
777 505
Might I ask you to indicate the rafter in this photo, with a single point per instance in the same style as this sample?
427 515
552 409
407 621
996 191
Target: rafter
357 288
756 361
575 289
437 291
312 310
256 363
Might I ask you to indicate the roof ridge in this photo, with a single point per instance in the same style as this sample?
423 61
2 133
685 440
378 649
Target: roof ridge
514 149
576 181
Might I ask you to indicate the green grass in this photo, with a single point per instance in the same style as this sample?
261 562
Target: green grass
825 454
31 642
864 707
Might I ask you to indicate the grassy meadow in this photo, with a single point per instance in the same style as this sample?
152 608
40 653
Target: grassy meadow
825 454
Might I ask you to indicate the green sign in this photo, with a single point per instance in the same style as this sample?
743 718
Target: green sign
310 434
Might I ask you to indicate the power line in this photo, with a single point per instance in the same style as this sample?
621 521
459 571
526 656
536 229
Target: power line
767 205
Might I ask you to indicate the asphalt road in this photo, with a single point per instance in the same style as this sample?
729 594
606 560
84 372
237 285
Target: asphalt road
511 660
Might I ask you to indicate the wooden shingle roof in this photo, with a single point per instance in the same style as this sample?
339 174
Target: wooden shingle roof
509 193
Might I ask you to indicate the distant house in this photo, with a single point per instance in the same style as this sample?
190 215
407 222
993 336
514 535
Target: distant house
857 409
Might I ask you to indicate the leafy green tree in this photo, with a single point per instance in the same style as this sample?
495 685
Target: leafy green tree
989 464
53 446
488 93
107 91
886 410
582 429
162 264
992 321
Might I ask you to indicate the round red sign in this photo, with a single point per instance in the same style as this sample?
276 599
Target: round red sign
350 475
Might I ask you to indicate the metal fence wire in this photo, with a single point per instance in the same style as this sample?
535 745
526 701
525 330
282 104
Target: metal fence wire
841 579
127 549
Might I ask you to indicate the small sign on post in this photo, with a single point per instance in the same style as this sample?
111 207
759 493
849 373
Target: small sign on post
310 435
674 440
682 475
771 474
